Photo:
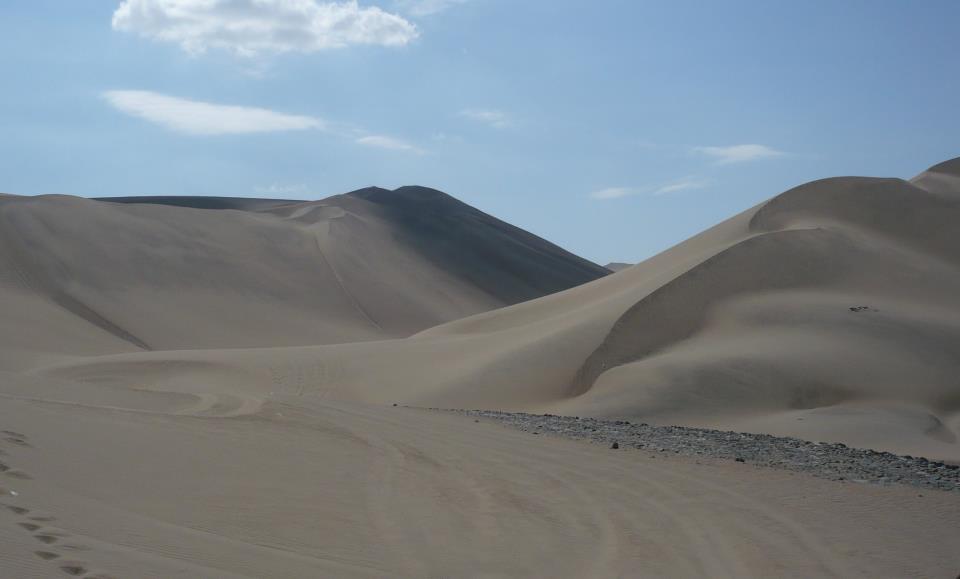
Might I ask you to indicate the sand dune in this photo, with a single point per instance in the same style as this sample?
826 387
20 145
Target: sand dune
206 388
90 277
828 312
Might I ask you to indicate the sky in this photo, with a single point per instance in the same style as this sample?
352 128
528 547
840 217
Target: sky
614 128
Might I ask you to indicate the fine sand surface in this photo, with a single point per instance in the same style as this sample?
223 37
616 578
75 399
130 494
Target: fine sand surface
313 488
207 391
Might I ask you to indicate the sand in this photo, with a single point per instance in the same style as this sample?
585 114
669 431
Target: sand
208 391
307 488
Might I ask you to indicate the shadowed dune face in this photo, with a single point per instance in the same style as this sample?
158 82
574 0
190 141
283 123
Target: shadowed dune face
503 261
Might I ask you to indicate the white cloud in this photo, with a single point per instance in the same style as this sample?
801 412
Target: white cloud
494 118
739 153
426 7
612 193
254 27
279 189
384 142
442 137
200 118
683 184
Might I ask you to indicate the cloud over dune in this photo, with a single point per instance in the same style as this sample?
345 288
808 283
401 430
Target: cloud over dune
494 118
739 153
202 118
384 142
682 184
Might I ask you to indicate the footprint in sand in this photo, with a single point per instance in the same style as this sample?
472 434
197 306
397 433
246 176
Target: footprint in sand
19 441
77 570
13 472
33 525
47 538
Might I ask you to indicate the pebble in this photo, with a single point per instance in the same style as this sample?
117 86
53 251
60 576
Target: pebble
834 461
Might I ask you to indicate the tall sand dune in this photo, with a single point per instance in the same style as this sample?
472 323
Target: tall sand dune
84 277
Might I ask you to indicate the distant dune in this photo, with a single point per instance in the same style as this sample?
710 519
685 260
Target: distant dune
84 276
617 265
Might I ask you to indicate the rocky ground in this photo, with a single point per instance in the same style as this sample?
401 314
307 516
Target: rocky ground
825 460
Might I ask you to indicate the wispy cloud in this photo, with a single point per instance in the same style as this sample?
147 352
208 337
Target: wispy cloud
384 142
254 27
281 189
494 118
613 192
682 184
739 153
426 7
202 118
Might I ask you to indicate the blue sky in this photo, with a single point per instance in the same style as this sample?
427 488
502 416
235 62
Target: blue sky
613 128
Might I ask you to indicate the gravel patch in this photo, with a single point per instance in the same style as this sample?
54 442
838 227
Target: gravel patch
826 460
